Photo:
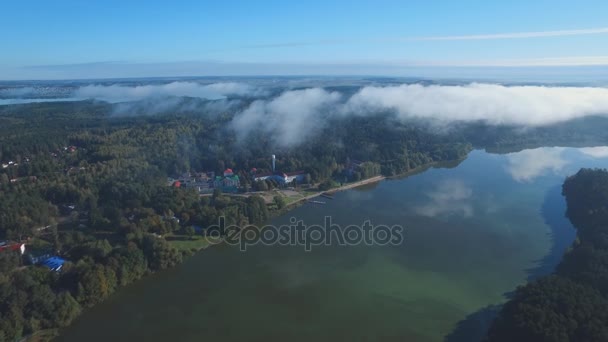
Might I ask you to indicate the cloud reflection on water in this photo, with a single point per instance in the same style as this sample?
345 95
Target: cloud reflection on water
527 165
450 196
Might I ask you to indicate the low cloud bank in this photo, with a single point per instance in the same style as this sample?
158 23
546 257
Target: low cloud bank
294 115
120 93
291 117
595 152
494 104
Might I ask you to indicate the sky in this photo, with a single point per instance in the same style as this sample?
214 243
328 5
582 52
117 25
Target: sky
64 39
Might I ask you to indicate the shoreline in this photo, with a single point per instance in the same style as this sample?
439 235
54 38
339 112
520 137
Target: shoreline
348 186
300 201
55 333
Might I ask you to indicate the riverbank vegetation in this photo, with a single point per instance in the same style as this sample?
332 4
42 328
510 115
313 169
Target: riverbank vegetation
572 304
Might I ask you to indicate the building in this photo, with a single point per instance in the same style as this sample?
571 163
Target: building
281 177
229 183
54 263
201 182
13 247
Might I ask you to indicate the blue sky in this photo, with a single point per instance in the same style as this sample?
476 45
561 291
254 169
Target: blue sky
95 39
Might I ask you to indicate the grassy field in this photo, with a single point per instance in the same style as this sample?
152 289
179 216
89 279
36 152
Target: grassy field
184 242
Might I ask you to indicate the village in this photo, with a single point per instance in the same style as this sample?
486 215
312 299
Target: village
291 187
278 189
229 182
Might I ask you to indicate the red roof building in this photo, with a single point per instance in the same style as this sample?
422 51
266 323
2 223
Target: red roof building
14 247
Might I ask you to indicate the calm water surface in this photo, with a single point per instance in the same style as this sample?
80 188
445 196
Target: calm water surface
473 233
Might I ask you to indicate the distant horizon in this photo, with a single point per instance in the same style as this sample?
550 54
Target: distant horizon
534 74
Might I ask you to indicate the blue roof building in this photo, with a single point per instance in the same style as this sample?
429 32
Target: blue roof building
54 263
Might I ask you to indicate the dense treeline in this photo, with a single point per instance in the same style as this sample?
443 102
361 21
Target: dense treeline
572 304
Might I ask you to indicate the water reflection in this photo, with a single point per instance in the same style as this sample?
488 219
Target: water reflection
527 165
450 196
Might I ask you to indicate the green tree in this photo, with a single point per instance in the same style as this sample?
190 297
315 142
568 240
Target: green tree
279 201
190 231
66 309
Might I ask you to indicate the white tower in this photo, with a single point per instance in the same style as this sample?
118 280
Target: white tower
273 160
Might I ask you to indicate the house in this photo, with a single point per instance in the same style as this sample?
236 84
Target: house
228 173
227 183
202 182
263 176
298 176
54 263
13 247
282 178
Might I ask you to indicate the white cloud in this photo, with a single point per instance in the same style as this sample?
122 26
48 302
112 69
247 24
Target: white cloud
595 152
289 118
494 104
296 115
519 35
527 165
564 61
121 93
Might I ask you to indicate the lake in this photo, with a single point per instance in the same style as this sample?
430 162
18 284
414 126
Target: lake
473 233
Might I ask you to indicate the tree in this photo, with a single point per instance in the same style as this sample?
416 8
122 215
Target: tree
279 201
326 185
67 309
261 185
93 286
190 231
552 309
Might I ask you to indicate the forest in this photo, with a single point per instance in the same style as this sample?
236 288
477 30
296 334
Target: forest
572 303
